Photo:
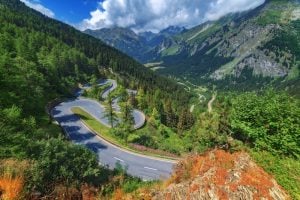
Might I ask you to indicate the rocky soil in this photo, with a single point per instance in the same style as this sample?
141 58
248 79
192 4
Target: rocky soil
220 175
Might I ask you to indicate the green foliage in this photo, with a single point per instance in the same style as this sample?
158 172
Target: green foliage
270 17
126 114
285 170
42 59
287 40
185 120
55 56
110 113
132 138
158 136
60 163
55 161
207 133
269 121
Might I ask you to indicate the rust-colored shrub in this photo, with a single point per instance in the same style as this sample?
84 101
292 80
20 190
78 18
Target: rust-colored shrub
119 194
12 178
11 187
225 172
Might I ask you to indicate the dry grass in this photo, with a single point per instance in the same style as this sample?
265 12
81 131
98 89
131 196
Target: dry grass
12 178
11 187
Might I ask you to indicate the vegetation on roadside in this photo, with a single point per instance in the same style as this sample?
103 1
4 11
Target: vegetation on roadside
113 135
42 59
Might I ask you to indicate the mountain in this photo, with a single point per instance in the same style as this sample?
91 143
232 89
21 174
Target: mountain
136 45
246 49
121 38
253 46
172 30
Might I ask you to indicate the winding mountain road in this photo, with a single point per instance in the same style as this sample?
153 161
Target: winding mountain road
145 167
209 105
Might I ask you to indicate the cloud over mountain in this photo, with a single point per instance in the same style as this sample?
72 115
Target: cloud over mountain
155 15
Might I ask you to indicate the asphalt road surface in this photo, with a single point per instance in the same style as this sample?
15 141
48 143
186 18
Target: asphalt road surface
145 167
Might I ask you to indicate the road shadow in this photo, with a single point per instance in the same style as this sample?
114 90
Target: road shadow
95 147
55 111
71 129
81 116
67 118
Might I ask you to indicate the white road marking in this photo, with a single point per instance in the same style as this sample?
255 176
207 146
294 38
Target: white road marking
119 159
150 168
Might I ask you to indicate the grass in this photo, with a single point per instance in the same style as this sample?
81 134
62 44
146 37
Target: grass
96 126
269 17
104 132
170 51
162 138
285 170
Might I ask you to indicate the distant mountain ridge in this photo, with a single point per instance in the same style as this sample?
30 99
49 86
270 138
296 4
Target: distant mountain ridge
134 44
237 42
256 46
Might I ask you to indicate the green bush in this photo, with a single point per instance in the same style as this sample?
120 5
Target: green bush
58 162
269 121
285 170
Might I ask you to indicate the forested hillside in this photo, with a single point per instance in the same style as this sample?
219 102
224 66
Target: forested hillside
74 52
128 41
42 59
249 49
241 51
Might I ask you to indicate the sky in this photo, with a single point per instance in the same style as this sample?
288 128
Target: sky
139 15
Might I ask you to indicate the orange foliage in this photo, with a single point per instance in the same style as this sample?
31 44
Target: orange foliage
88 193
168 196
194 187
119 194
11 187
11 178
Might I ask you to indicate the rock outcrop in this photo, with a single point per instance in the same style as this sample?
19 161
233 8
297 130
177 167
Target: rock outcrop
220 175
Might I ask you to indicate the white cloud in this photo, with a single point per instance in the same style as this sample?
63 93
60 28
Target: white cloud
220 8
35 4
155 15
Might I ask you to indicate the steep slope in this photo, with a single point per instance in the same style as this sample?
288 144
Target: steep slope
121 38
221 175
63 55
42 59
215 175
238 45
248 49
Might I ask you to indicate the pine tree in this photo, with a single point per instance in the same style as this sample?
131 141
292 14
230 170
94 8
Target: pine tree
170 119
110 112
185 120
126 110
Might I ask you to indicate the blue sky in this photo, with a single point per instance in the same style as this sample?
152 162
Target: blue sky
71 11
139 15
